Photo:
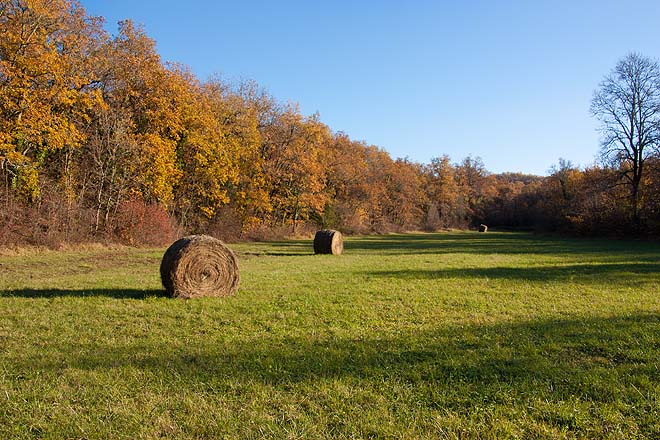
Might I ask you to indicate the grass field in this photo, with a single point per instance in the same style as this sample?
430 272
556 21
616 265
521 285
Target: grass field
453 335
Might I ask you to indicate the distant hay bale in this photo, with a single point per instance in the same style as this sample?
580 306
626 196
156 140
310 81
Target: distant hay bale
197 266
328 241
483 228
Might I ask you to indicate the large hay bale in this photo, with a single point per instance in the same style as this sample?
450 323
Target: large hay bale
328 241
199 265
483 228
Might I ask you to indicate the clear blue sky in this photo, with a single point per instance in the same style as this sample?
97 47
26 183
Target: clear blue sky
509 81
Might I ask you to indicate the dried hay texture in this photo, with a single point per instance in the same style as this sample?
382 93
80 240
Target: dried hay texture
483 228
328 241
197 266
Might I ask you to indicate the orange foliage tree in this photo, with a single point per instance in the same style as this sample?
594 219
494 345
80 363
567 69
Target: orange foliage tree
293 152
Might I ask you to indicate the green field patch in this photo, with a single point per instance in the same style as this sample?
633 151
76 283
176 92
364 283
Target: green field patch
402 336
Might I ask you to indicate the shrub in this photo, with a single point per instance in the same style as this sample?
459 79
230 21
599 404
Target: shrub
140 223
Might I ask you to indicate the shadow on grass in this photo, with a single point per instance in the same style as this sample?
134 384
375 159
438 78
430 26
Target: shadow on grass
571 356
588 376
290 248
637 272
110 293
536 367
248 254
495 243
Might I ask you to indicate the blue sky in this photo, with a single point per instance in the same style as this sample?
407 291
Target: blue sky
509 81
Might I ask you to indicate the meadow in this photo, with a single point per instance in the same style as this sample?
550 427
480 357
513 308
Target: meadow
441 336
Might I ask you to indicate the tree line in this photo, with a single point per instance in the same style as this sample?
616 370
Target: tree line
102 140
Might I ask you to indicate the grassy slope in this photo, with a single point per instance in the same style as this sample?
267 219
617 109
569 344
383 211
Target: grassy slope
459 335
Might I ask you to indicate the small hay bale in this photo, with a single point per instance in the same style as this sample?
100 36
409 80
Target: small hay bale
328 241
483 228
197 266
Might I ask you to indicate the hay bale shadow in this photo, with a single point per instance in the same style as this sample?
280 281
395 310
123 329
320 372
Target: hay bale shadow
110 293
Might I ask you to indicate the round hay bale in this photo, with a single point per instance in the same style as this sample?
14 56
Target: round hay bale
199 265
328 241
483 228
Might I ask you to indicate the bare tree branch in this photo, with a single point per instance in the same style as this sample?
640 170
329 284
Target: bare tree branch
627 103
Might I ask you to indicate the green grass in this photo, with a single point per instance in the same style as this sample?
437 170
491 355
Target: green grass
455 335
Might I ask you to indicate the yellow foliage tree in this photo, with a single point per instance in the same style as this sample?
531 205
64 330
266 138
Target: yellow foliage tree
137 82
46 83
294 150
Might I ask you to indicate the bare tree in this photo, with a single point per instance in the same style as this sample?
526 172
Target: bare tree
108 170
627 103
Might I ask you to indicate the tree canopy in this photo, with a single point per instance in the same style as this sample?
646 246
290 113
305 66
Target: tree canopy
102 140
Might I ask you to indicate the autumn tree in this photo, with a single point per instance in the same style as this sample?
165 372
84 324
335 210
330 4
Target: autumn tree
293 153
46 85
406 195
651 202
444 193
137 83
505 208
378 198
346 184
627 103
556 197
245 110
597 207
475 185
219 157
